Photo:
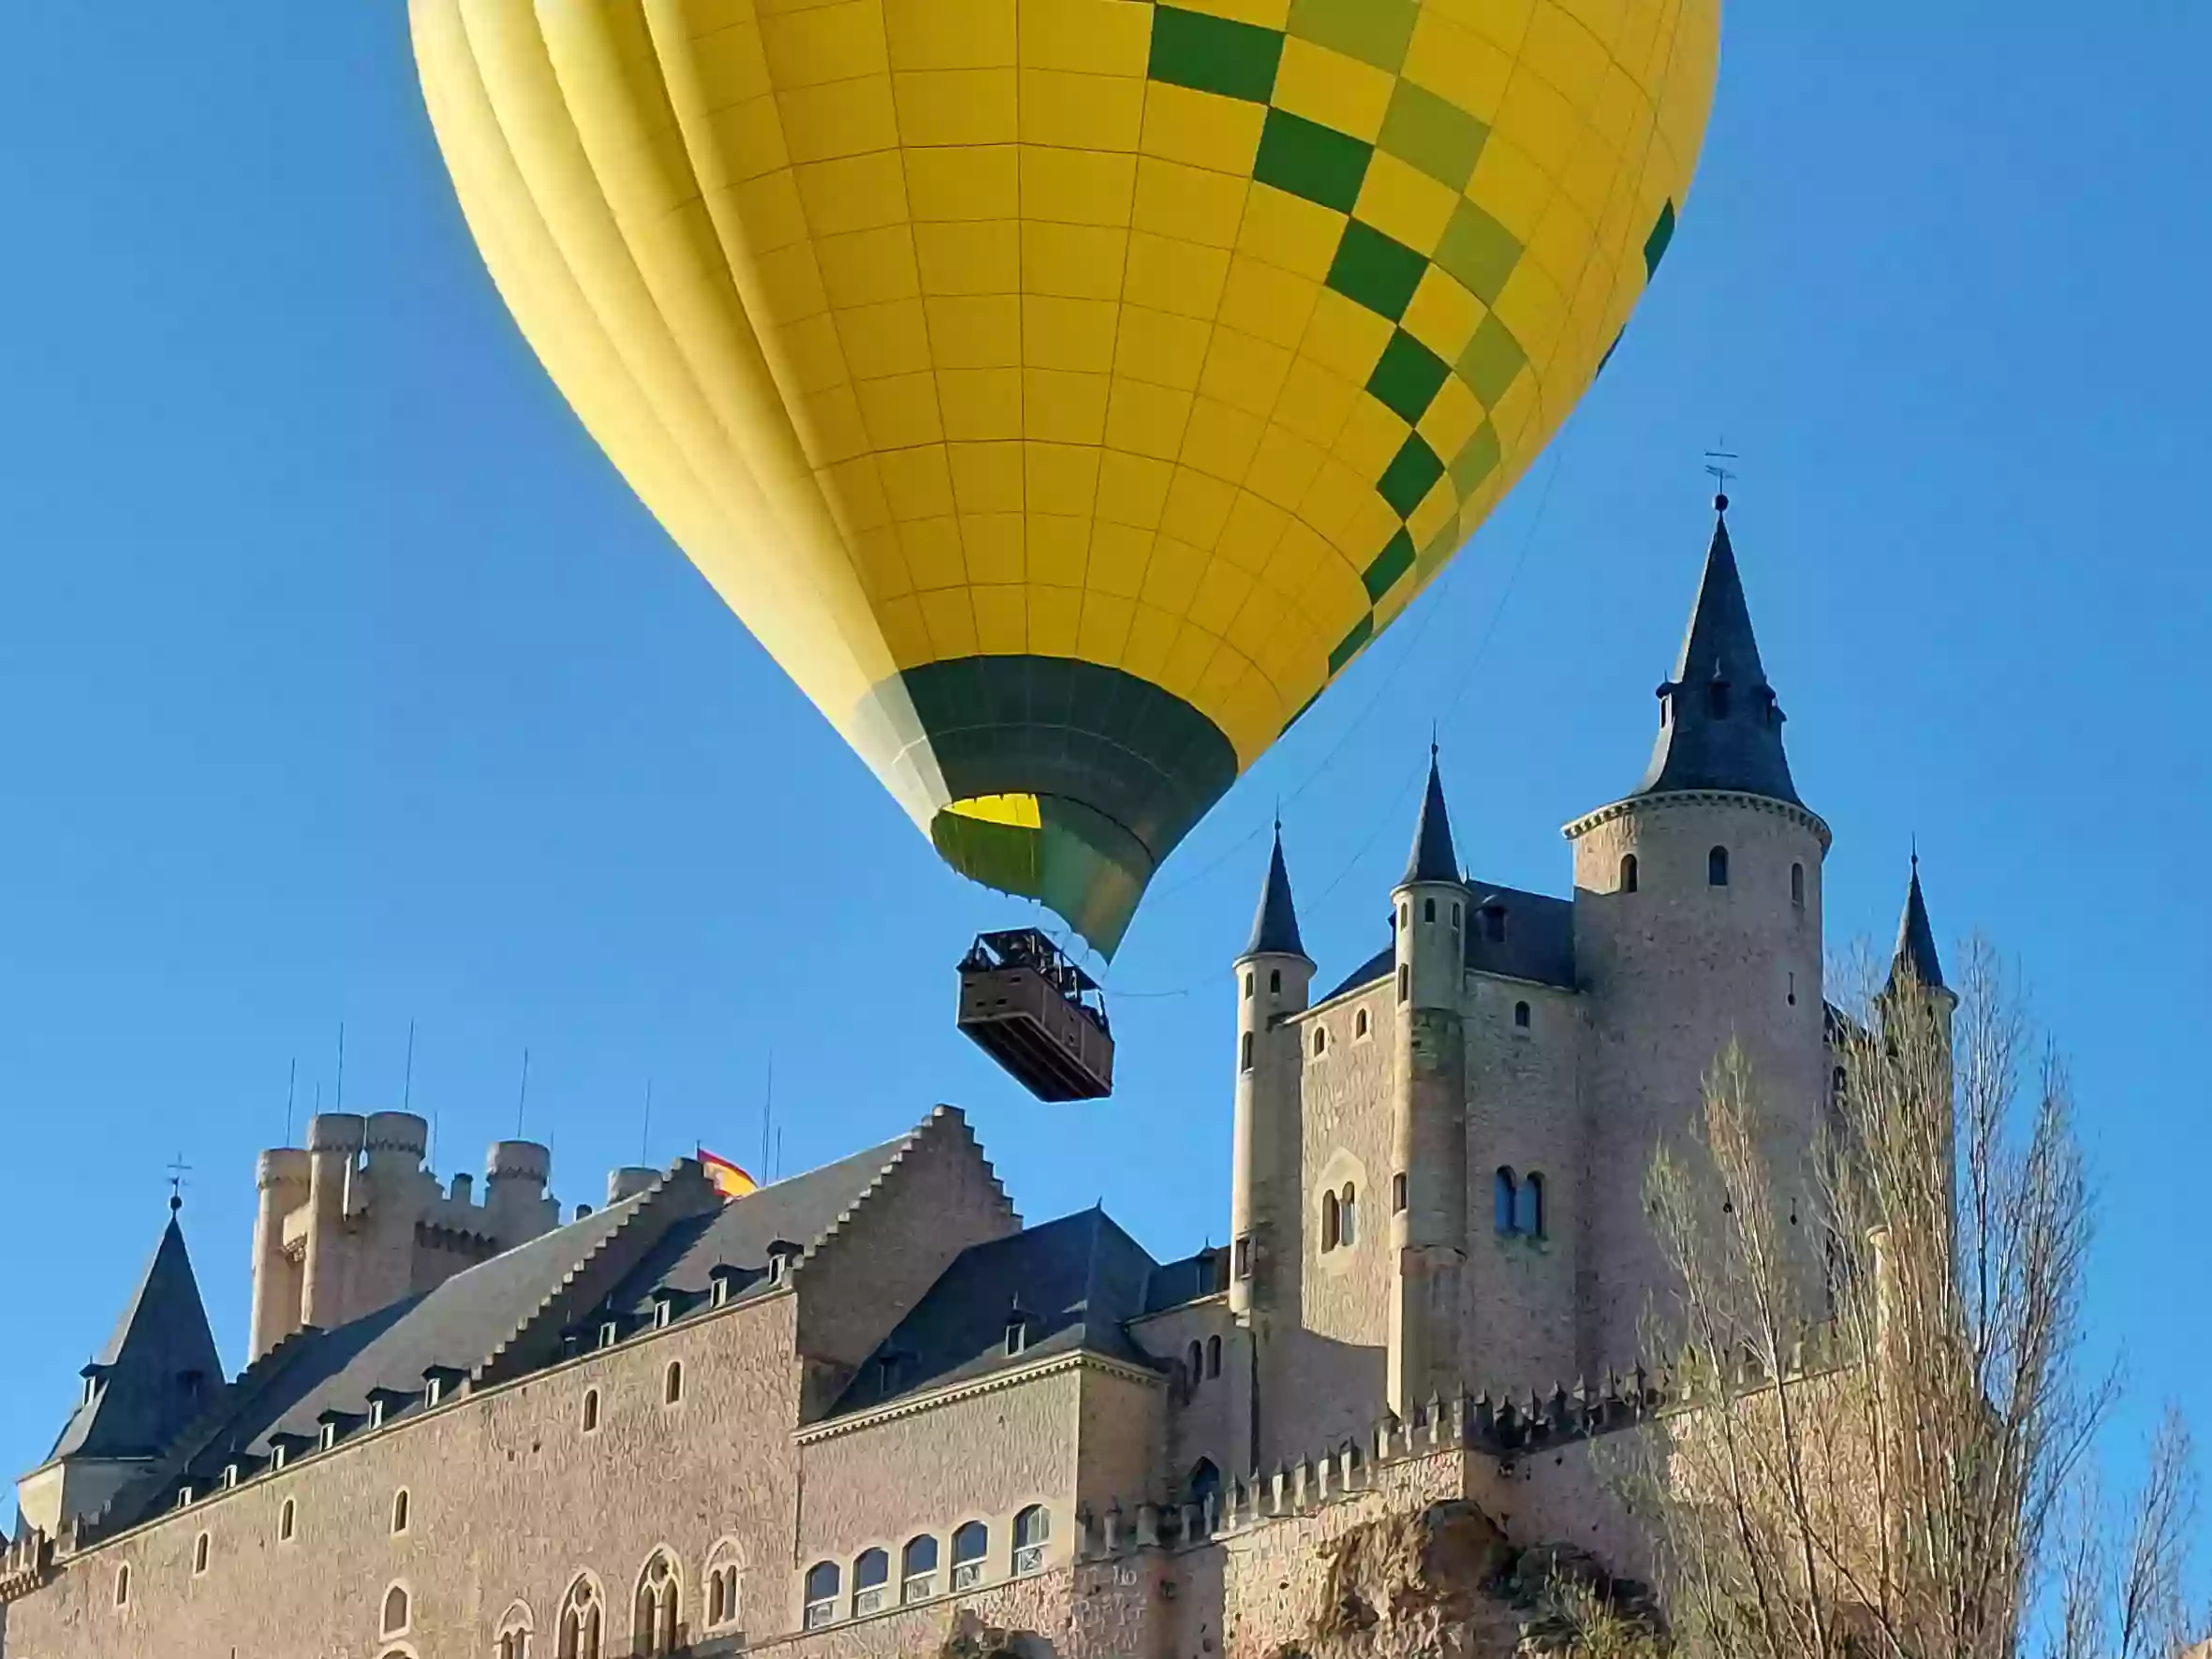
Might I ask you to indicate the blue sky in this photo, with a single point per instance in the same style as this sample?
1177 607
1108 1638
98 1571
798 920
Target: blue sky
342 681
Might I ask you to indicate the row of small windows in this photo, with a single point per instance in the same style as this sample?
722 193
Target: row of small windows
1518 1204
917 1567
1203 1361
1274 983
672 1394
1716 874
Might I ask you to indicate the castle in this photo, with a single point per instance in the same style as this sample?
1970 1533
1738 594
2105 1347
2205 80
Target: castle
864 1407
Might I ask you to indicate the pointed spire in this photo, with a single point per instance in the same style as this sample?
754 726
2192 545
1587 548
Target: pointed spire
1274 924
1433 859
1916 940
1721 728
159 1371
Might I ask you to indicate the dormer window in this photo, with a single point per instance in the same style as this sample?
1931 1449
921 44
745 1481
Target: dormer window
781 1255
1017 1334
376 1413
719 1292
90 1374
329 1436
229 1477
610 1334
887 1374
663 1311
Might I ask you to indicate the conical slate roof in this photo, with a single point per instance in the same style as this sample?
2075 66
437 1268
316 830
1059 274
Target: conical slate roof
1274 925
159 1371
1721 727
1434 858
1916 940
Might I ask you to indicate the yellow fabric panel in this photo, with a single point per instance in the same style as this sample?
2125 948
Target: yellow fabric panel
1181 339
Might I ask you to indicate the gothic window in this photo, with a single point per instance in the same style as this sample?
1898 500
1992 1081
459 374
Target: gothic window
971 1547
514 1633
285 1517
1213 1357
399 1510
1332 1222
1320 1041
1347 1216
591 1410
722 1586
1505 1200
918 1569
1033 1527
1404 982
823 1582
1628 873
200 1555
396 1610
1716 867
122 1585
1520 1016
582 1619
655 1614
1528 1207
1275 980
871 1582
1797 884
1359 1023
672 1383
1244 1060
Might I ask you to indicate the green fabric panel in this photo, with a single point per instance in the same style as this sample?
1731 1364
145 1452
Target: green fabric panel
1406 481
1408 377
1310 160
1662 238
1440 138
1478 458
1492 360
1362 631
1395 561
1374 31
1478 252
1376 270
1441 546
1214 55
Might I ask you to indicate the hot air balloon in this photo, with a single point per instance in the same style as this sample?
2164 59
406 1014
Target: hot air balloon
1066 392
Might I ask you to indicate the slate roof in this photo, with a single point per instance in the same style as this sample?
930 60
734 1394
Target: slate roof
1175 1284
1916 940
1434 858
1723 727
1076 1282
1539 944
158 1370
1274 924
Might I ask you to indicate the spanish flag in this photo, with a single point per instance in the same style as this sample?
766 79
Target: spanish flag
730 1180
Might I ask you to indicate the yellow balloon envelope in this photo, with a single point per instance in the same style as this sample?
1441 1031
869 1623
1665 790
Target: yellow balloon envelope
1065 391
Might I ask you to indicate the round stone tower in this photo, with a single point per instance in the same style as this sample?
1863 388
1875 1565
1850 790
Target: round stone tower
1428 1113
515 1177
1274 980
334 1140
282 1180
1696 923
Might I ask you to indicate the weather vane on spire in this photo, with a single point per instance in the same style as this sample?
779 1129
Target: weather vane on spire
1716 467
178 1170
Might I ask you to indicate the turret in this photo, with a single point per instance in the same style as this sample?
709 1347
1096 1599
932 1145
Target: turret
1274 980
334 1142
1428 1120
1697 922
515 1177
281 1180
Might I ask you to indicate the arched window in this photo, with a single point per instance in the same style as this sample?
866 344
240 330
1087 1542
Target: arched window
1194 1361
1528 1207
871 1582
1628 873
591 1410
917 1568
722 1578
1397 1194
657 1609
1505 1200
1033 1528
971 1547
514 1633
1204 1486
1213 1357
285 1517
1248 985
200 1555
1456 916
672 1383
1275 980
1797 884
581 1621
396 1610
1347 1216
1359 1023
1331 1222
1404 982
122 1585
1243 1060
1320 1041
1716 867
1428 910
823 1582
1520 1016
399 1510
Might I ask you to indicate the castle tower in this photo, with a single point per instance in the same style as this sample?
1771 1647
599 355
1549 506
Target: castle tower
1428 1113
282 1180
333 1153
1697 922
1274 980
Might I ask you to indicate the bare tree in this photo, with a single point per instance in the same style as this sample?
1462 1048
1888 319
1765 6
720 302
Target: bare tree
1884 1447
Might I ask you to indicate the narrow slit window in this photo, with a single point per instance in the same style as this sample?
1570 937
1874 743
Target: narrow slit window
1397 1194
1505 1200
399 1510
1520 1016
1330 1222
1243 1062
1797 884
1528 1218
1347 1216
1213 1357
1405 983
1629 872
671 1384
1716 867
591 1410
1274 981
